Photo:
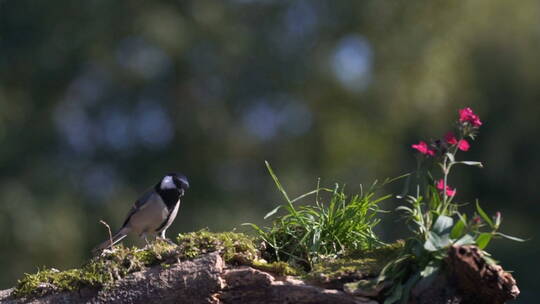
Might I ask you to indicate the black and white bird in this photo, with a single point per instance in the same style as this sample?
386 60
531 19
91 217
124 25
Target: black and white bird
153 212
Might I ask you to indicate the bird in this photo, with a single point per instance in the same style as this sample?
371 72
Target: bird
154 212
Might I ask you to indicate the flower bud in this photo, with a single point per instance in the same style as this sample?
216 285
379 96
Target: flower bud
497 219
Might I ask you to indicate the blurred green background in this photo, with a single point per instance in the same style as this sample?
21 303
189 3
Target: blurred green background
98 99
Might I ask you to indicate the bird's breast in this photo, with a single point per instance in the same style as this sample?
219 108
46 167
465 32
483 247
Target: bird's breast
150 216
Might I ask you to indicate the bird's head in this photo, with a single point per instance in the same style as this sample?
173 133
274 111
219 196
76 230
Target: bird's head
175 181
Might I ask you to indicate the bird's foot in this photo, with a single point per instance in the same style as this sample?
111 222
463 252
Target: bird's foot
166 240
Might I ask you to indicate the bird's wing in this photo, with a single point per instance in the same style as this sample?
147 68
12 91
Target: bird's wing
138 205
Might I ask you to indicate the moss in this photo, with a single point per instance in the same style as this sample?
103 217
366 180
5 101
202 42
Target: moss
355 265
100 271
369 288
383 253
277 268
48 279
338 269
235 248
115 264
111 265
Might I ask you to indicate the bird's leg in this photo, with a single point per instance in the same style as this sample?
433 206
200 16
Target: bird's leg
162 237
146 239
170 242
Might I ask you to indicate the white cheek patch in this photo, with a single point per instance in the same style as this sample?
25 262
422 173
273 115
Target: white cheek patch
167 183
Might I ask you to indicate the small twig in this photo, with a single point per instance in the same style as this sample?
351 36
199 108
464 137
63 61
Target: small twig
110 234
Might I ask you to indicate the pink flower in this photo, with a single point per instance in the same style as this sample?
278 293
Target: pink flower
450 138
449 191
463 145
423 148
467 115
476 220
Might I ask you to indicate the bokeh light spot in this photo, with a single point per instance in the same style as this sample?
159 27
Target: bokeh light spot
352 62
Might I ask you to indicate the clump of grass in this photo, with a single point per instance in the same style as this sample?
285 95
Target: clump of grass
304 234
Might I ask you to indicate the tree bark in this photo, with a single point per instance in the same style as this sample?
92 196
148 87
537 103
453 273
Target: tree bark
466 278
203 280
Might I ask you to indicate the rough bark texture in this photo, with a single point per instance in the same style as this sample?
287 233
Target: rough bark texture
467 279
204 280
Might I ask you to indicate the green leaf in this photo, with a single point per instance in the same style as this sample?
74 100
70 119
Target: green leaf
467 239
392 264
450 157
255 227
269 214
513 238
429 245
408 286
276 181
428 275
429 270
458 229
483 240
404 208
395 294
471 163
443 224
484 216
463 218
436 242
310 193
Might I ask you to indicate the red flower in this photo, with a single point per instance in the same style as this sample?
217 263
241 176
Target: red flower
423 148
467 115
476 220
450 138
463 145
449 191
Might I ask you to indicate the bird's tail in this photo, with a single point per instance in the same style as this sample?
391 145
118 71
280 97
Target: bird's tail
117 237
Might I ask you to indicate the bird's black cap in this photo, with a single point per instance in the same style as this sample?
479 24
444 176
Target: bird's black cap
180 180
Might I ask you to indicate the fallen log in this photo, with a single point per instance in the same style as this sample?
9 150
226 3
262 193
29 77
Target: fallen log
226 268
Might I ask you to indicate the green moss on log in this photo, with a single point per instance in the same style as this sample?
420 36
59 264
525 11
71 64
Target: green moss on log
235 248
112 265
100 271
354 265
